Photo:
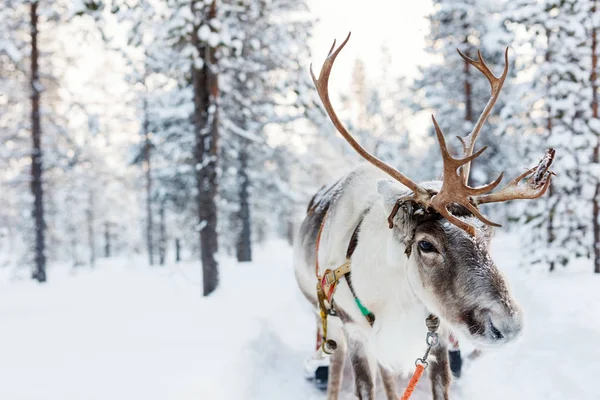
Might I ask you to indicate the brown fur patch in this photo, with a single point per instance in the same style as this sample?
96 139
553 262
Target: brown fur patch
439 372
336 371
389 384
364 381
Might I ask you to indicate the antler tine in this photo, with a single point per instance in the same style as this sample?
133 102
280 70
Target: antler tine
496 84
539 180
447 158
477 214
454 190
470 229
322 85
441 139
486 188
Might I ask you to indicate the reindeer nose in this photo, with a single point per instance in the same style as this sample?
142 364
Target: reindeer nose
504 326
494 332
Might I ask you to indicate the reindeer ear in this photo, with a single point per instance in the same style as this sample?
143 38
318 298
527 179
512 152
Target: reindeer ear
390 192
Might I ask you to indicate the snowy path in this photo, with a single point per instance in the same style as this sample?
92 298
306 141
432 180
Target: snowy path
126 331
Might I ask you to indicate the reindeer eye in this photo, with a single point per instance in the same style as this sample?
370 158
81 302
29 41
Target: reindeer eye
426 247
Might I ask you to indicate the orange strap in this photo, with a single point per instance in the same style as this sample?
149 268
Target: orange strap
413 382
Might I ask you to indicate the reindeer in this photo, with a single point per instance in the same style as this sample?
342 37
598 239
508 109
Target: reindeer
389 254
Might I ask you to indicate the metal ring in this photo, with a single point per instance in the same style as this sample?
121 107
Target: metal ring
423 362
432 339
329 346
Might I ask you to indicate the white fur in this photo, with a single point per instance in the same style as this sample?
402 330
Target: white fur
379 271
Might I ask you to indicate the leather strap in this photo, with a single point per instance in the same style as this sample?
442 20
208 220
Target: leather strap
353 241
330 278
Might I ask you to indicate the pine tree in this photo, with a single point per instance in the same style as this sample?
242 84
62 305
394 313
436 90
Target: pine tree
557 114
23 56
36 153
595 128
274 42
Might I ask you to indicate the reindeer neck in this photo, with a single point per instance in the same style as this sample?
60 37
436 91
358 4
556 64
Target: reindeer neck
378 268
379 276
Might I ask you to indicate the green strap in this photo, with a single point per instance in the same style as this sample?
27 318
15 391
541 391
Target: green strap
364 310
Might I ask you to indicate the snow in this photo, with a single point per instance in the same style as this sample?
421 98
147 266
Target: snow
204 33
128 331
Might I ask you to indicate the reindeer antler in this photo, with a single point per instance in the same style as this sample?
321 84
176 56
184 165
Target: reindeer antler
454 190
496 84
454 185
535 186
420 194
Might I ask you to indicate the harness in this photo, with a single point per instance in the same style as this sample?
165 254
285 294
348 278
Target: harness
326 286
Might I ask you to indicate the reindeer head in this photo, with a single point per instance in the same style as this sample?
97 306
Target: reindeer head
440 228
450 270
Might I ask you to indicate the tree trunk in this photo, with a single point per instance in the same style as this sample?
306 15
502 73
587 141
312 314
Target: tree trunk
206 132
91 233
550 231
290 232
177 250
551 194
244 243
36 155
162 235
74 254
596 156
468 94
148 172
107 239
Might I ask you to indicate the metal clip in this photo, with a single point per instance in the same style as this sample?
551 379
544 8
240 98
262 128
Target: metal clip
432 339
329 346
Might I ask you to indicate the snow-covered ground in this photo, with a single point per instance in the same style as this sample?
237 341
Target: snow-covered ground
128 331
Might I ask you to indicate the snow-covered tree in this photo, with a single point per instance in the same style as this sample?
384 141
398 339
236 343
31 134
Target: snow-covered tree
81 186
555 112
266 85
455 91
594 172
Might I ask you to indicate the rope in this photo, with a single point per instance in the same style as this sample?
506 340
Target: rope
433 323
413 382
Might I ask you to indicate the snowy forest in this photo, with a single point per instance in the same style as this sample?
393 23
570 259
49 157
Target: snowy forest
157 159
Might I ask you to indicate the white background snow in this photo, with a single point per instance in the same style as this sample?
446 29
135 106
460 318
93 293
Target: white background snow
128 331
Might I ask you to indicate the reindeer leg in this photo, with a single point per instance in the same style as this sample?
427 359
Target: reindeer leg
389 383
439 371
336 370
365 370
